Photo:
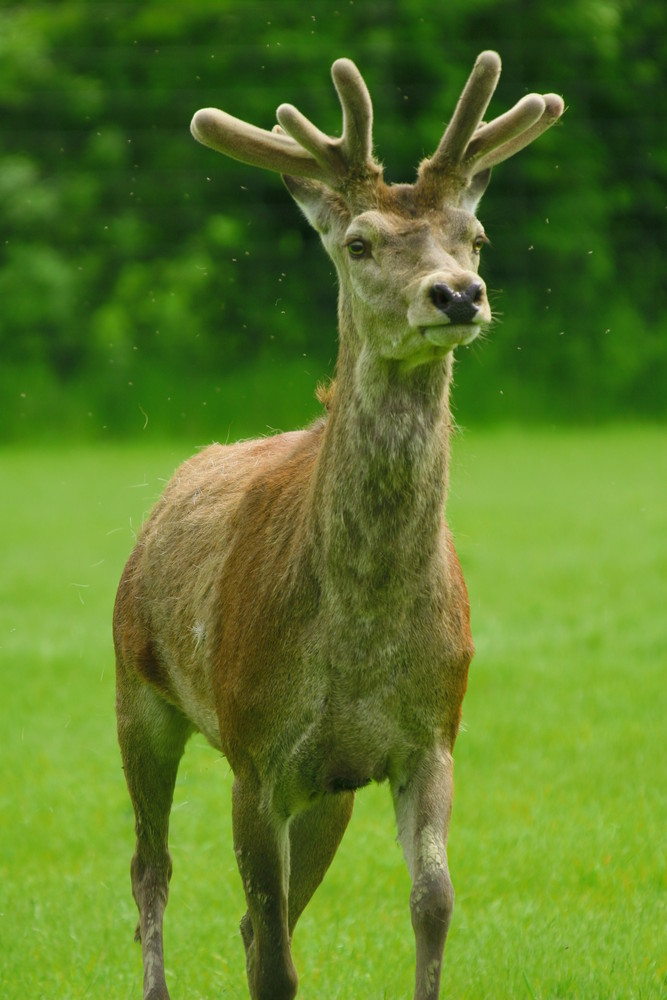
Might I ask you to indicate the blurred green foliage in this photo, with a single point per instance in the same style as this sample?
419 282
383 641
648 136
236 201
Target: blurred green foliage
137 268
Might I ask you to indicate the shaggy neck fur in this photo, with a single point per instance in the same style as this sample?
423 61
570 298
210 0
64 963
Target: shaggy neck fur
380 482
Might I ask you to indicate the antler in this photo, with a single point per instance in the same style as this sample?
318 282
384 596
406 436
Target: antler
460 165
295 146
468 148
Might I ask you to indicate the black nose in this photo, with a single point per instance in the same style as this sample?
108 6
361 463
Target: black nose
459 307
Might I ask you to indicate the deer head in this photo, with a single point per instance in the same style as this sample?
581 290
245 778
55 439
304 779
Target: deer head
407 255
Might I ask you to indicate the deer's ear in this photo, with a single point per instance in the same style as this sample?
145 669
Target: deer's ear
321 206
472 195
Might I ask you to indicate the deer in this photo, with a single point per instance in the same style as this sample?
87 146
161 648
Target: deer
297 598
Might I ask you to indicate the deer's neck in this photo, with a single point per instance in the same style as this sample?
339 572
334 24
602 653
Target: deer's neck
381 482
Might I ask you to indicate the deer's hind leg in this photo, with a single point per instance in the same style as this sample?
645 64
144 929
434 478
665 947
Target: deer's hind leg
152 735
315 836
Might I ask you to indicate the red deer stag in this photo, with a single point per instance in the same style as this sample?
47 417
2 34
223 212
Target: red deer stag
298 599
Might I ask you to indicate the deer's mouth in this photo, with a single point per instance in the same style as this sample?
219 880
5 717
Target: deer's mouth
445 316
451 334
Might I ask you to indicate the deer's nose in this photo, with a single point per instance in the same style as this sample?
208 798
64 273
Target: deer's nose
458 307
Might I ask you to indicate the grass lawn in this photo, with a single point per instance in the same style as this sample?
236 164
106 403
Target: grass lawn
559 834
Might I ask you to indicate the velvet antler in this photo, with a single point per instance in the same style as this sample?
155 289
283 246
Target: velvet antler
458 170
468 149
297 147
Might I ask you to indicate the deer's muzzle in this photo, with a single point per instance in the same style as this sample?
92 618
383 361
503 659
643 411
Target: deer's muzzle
458 307
449 310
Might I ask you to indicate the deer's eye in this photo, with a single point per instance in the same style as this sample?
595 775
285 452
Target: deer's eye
357 248
479 242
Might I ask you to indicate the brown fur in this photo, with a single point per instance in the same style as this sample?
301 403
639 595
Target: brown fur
298 599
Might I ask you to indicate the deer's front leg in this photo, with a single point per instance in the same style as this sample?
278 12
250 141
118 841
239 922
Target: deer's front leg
423 808
261 844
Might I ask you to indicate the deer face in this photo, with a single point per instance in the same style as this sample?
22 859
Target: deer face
412 285
408 276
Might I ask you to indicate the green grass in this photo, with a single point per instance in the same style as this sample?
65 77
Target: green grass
558 839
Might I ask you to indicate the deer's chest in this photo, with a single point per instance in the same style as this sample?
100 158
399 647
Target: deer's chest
382 698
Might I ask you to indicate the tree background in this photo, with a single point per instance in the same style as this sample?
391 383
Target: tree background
144 278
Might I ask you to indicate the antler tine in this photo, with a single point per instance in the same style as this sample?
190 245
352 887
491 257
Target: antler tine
322 149
473 102
349 155
245 142
501 130
357 107
514 141
299 148
468 150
